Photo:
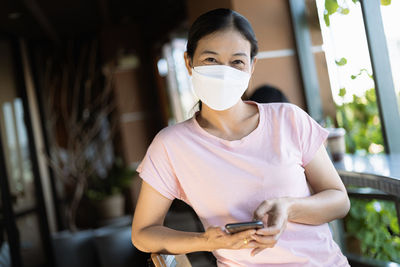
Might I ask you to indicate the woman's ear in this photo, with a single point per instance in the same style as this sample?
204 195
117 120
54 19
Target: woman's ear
253 65
188 63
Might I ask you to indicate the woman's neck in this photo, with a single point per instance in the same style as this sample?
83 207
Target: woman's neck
226 121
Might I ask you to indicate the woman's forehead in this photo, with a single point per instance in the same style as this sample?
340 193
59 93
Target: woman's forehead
224 42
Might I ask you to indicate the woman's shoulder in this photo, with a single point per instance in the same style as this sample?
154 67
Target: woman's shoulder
282 109
285 115
171 132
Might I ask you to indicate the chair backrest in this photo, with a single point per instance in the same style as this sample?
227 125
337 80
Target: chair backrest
112 241
163 260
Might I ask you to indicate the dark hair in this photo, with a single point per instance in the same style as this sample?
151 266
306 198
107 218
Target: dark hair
268 94
218 20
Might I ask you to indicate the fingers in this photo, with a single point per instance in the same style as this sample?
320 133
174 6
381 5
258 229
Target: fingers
261 211
276 227
257 250
268 236
278 219
268 241
250 244
269 231
218 238
247 243
258 247
274 215
243 239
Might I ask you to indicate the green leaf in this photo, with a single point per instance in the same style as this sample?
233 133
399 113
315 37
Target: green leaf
326 19
344 11
342 92
372 227
385 2
355 1
341 62
394 225
331 6
353 76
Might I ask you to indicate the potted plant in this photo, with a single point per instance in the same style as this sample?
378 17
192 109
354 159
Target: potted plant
106 191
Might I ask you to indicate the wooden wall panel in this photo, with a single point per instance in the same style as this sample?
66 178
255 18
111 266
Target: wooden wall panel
282 73
271 22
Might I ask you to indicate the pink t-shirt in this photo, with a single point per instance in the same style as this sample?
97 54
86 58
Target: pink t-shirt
225 181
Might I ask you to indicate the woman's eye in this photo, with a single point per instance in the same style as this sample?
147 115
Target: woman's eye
237 62
210 60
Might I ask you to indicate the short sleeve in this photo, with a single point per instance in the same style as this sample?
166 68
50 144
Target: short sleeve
311 135
156 169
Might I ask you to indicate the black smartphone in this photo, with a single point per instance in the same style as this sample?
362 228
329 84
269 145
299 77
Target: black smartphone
243 226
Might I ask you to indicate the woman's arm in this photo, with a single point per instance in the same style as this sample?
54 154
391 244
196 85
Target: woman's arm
329 202
149 234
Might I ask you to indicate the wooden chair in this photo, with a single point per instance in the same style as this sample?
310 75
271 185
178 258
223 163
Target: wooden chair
163 260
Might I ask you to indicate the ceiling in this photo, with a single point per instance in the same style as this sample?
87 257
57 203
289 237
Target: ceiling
64 19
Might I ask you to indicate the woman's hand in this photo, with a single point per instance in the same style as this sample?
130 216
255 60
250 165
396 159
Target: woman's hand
216 238
274 214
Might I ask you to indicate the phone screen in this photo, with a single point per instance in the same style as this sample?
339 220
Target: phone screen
243 226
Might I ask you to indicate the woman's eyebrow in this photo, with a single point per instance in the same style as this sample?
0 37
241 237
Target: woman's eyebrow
215 53
240 54
209 52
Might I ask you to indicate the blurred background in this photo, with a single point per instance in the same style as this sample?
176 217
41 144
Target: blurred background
86 85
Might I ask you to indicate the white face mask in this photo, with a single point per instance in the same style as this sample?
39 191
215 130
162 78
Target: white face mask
219 86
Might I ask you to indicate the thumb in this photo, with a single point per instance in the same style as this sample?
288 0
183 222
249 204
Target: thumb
261 211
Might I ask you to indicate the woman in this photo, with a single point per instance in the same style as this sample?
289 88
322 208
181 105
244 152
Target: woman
235 161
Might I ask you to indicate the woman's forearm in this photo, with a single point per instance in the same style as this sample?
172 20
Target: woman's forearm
319 208
161 239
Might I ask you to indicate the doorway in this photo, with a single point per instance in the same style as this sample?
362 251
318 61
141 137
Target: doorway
24 231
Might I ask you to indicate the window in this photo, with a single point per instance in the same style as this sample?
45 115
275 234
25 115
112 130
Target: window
350 73
391 20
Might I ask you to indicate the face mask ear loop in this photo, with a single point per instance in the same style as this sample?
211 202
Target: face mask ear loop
191 66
